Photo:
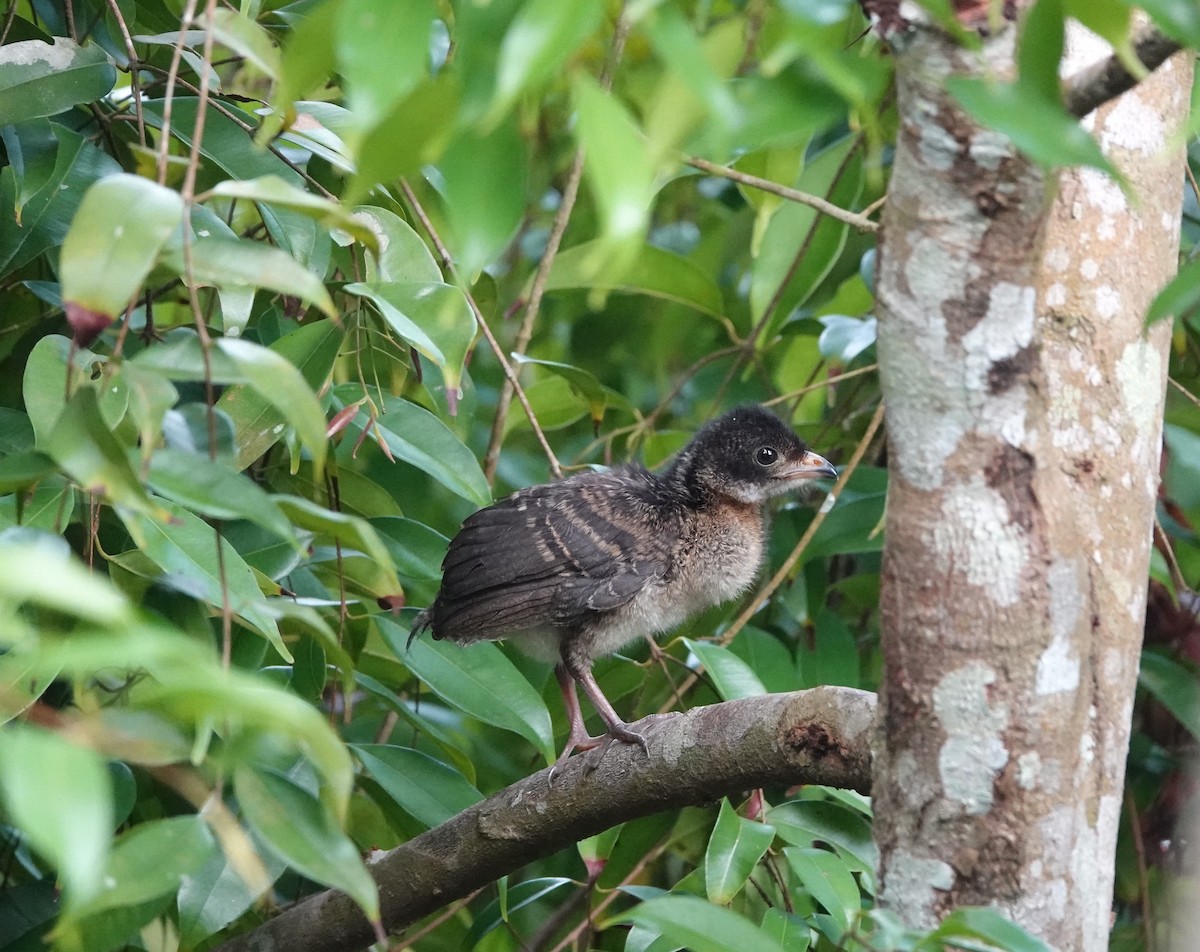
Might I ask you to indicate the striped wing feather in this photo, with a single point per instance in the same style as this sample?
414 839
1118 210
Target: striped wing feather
554 556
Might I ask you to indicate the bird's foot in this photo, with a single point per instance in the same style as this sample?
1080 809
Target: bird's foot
596 747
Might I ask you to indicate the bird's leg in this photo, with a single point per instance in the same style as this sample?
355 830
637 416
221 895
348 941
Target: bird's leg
617 728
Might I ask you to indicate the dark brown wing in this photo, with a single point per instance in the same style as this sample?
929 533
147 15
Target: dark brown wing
555 555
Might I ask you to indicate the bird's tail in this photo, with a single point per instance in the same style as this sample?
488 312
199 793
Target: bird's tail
422 622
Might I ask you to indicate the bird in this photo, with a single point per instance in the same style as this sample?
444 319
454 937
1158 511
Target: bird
575 569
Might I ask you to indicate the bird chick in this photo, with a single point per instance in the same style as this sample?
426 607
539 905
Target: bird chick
573 570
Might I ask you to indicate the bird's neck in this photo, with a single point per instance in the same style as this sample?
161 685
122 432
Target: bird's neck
688 479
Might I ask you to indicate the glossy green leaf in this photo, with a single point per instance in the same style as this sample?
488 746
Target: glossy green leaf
214 490
426 788
44 576
477 679
986 924
185 547
617 167
277 380
42 209
832 655
60 797
541 37
483 182
1039 127
276 191
151 860
305 64
734 849
86 449
215 895
382 50
299 830
223 262
699 925
805 822
400 254
412 134
247 39
730 675
114 240
495 914
259 421
824 876
433 318
654 271
1180 298
790 931
416 436
351 531
582 382
1174 686
415 549
37 79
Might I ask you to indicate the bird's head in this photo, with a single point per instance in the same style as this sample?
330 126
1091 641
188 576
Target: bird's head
749 455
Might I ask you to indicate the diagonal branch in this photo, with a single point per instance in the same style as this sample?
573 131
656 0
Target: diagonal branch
1097 84
818 736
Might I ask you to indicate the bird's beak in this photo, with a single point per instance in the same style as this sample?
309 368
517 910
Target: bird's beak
811 466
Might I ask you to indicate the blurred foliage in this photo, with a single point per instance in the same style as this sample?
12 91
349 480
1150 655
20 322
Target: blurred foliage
244 401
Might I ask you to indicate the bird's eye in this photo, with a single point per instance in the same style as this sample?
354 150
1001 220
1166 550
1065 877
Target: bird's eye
765 456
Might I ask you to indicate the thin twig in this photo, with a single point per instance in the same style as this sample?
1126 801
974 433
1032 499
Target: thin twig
821 384
764 593
558 228
448 263
135 82
164 145
1139 849
854 219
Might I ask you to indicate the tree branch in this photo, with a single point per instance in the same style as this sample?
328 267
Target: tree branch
821 735
1100 82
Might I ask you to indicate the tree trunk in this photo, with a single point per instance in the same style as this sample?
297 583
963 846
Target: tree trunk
1024 410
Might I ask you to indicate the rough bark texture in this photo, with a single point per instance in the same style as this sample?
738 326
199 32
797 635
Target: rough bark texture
817 736
1024 414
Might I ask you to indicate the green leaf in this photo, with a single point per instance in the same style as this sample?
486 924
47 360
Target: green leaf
114 240
496 912
731 676
274 190
804 822
60 797
306 63
434 318
789 931
46 576
215 895
654 271
1180 298
416 436
1039 127
734 849
312 349
617 166
832 657
416 550
400 254
277 380
185 548
582 382
346 529
541 37
37 79
824 876
42 212
216 491
429 790
86 449
1174 686
412 134
1179 19
300 831
225 263
986 924
151 860
483 183
382 52
247 39
699 925
478 680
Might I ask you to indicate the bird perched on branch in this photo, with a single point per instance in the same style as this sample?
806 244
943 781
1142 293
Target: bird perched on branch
573 570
